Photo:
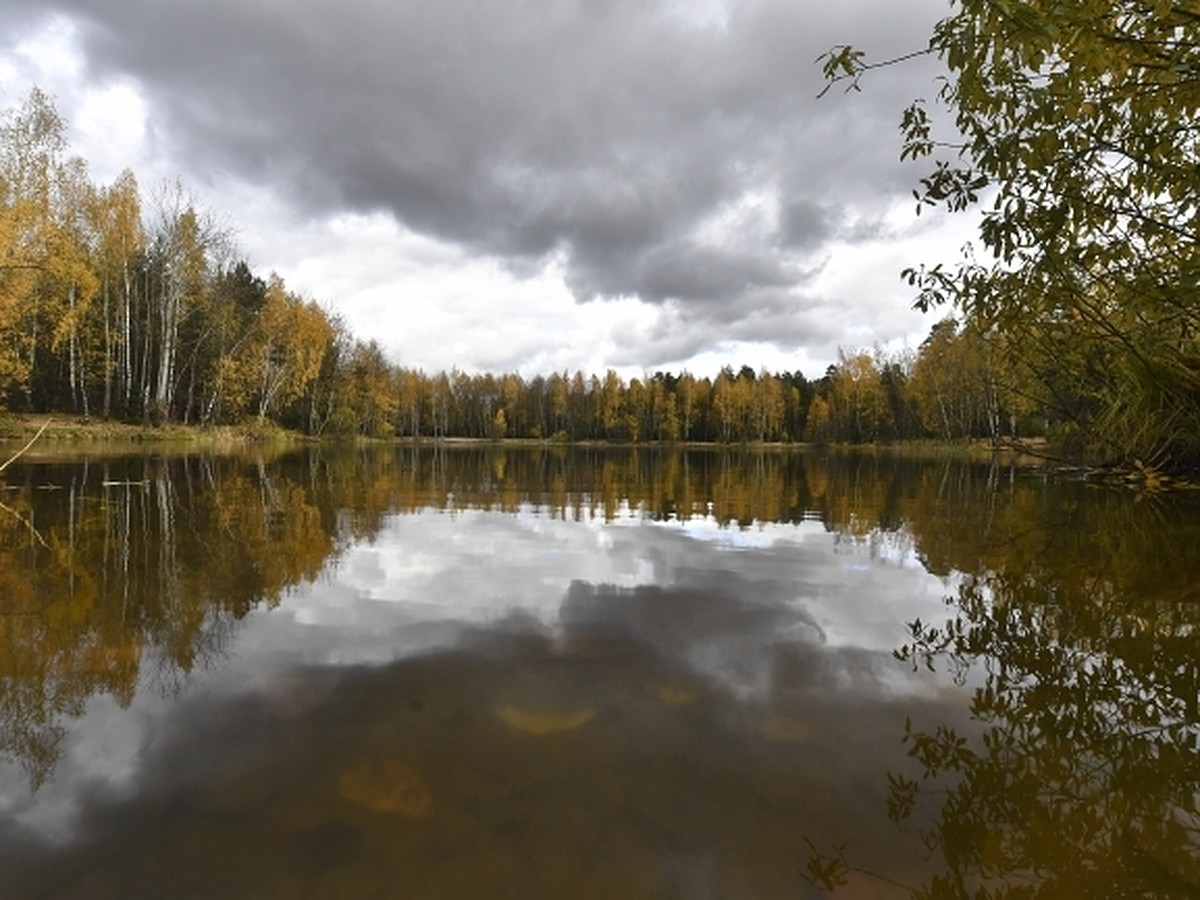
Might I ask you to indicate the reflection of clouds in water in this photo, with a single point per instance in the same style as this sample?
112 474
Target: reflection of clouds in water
427 576
101 761
476 566
718 629
364 569
857 598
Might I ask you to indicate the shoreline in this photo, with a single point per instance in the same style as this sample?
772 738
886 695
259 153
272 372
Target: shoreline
17 427
51 435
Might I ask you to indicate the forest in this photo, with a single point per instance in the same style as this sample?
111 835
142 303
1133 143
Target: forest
136 306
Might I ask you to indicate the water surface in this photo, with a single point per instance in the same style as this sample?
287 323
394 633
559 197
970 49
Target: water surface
482 672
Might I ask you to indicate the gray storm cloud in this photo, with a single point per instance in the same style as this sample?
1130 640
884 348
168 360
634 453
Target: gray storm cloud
624 138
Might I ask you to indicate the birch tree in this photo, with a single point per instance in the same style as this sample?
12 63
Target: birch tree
31 146
181 240
118 222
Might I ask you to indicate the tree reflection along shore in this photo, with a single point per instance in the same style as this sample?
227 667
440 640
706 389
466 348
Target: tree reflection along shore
1077 628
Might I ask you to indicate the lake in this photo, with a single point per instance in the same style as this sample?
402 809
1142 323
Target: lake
559 672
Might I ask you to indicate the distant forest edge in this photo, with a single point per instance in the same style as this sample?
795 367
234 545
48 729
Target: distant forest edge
120 307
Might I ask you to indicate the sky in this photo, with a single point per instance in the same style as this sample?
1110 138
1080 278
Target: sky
525 186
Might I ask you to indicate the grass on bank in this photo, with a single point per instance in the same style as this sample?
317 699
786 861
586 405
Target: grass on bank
73 430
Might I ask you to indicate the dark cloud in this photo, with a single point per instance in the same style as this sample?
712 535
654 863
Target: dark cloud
782 319
692 272
804 222
612 133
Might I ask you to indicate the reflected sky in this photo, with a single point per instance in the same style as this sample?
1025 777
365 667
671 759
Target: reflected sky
475 567
747 672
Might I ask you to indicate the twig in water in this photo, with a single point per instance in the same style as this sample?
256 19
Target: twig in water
4 465
24 521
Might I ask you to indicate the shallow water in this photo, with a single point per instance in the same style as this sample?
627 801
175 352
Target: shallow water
483 672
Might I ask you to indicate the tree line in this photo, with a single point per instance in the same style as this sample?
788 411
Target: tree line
139 308
955 386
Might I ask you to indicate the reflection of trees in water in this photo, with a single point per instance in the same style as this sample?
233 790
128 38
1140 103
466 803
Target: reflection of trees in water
128 568
867 492
1078 610
1084 780
575 484
1076 623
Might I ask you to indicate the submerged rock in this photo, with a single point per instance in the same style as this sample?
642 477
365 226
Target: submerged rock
386 786
673 696
544 723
